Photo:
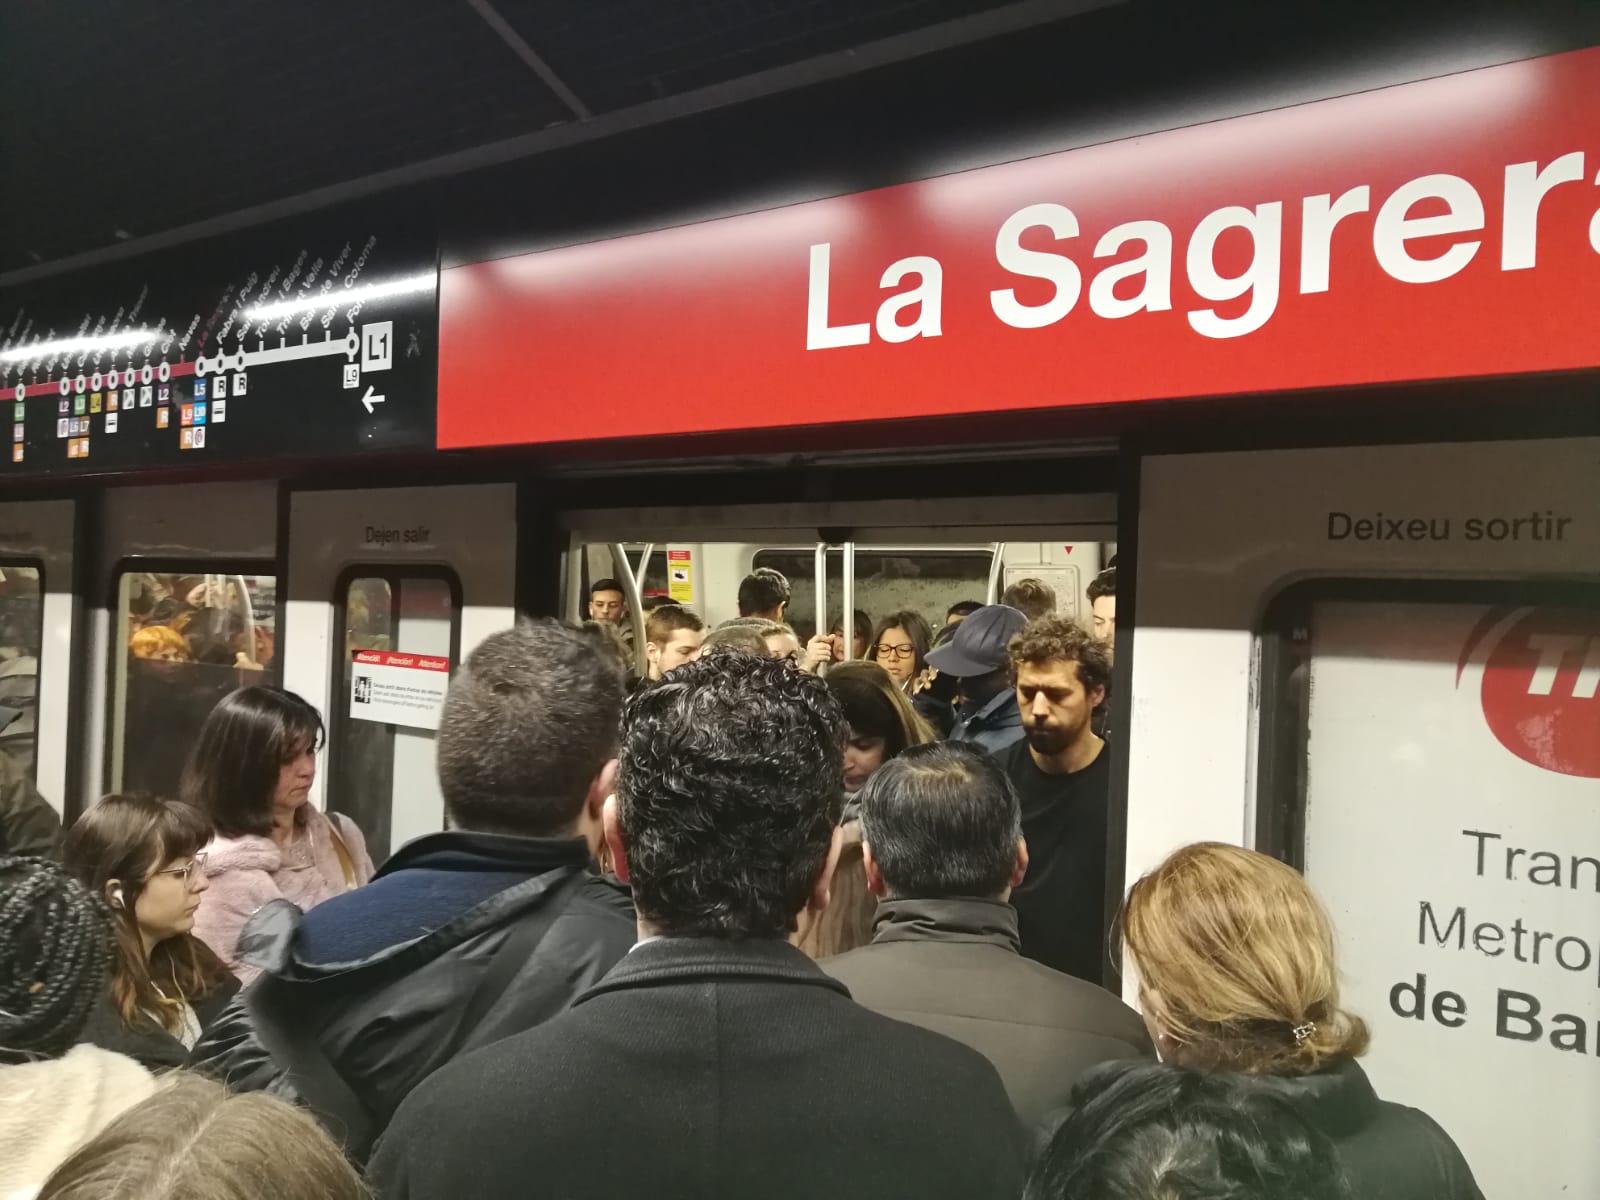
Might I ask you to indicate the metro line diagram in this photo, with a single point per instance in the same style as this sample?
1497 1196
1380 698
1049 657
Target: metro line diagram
259 344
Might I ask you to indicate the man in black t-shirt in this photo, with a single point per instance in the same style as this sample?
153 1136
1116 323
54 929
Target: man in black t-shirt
1062 772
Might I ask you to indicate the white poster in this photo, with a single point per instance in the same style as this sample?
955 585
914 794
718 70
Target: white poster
398 689
1453 829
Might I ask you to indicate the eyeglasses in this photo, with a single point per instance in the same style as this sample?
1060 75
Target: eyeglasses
899 652
189 873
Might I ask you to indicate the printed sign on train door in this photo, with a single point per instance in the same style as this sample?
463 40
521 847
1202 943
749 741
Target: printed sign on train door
1453 829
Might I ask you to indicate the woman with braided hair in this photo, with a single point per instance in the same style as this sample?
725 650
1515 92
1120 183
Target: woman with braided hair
55 952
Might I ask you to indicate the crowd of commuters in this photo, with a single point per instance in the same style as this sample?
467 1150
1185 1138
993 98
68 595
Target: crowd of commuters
747 926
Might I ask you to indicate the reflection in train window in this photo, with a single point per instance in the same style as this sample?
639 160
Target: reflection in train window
382 774
183 640
21 600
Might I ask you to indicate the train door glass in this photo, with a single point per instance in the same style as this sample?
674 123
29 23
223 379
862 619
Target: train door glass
185 638
926 580
21 628
383 775
1450 767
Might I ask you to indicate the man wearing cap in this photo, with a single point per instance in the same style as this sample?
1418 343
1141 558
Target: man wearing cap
977 656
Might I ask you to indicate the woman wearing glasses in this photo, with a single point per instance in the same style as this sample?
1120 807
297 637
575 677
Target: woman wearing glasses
900 647
143 856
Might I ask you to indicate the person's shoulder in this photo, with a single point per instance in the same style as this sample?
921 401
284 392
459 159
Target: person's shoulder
1073 1003
251 852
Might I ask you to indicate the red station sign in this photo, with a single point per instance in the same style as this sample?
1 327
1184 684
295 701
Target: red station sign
1441 229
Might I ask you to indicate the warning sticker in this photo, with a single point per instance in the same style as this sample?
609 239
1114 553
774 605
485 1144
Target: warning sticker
398 689
680 576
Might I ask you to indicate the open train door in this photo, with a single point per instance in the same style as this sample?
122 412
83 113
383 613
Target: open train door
388 590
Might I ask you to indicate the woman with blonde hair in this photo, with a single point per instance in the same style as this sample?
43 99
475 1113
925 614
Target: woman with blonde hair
1235 962
193 1141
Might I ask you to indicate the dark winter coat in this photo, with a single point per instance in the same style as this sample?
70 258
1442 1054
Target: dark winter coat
702 1068
953 966
402 1005
1388 1151
149 1044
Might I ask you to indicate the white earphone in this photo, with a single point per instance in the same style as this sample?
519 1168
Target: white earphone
114 894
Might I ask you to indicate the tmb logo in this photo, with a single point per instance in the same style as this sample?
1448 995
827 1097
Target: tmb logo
1540 686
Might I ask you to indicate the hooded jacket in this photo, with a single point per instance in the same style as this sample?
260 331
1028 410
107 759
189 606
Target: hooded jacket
247 873
397 1008
49 1109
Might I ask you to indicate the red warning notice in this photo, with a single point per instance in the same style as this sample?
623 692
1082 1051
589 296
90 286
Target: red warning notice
398 689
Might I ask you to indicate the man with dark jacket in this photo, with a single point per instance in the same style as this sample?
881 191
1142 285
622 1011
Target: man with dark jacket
29 827
976 655
942 846
464 937
716 1059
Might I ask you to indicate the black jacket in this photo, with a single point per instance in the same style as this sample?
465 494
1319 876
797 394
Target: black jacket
150 1045
954 966
387 1021
1388 1151
28 825
702 1068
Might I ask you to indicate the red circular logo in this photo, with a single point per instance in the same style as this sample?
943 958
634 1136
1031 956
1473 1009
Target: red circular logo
1541 690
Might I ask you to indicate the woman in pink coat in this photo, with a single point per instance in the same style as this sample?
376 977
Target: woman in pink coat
251 771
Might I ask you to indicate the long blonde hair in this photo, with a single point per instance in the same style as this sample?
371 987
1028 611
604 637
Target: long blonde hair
1235 962
194 1141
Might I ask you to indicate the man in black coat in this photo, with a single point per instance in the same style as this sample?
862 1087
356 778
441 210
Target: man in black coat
716 1059
942 843
463 937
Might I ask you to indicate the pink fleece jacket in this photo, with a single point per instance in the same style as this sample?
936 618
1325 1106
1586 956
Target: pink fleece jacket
246 872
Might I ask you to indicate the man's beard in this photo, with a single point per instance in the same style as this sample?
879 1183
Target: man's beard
1049 739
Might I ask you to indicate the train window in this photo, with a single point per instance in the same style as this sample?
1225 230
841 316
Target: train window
925 580
21 628
184 639
382 772
1437 767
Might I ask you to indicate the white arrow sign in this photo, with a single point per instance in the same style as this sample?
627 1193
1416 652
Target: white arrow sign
369 399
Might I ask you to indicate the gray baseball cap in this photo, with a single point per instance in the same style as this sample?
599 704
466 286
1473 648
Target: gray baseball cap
979 643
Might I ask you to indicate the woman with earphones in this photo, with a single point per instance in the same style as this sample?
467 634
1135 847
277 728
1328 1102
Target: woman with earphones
144 857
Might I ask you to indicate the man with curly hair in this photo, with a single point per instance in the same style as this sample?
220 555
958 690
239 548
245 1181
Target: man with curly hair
716 1059
1062 772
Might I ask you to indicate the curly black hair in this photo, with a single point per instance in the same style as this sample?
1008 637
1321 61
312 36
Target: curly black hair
730 785
55 955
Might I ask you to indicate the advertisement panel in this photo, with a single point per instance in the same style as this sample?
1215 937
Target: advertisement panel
1439 229
1452 827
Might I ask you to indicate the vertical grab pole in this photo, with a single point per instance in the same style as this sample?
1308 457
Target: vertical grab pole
822 588
996 570
849 614
619 560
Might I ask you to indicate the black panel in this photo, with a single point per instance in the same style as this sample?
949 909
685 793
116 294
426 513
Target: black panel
630 51
323 368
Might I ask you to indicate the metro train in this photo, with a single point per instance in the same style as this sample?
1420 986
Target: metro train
1358 615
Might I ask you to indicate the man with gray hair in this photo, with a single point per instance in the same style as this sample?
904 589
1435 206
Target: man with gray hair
942 848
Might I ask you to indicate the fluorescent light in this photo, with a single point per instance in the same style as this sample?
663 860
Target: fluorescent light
110 341
409 285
